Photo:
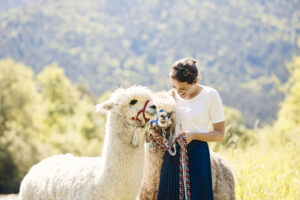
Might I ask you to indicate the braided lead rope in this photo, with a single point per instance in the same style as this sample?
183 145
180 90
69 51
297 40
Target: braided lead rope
164 147
184 175
184 181
166 142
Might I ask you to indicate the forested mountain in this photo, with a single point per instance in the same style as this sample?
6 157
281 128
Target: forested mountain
241 46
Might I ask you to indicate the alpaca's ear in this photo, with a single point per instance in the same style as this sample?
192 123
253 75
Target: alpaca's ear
105 106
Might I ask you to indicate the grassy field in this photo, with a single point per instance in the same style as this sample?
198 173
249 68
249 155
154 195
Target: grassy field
269 169
261 173
265 172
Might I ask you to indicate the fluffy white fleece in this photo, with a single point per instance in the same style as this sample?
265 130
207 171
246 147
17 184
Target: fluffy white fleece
116 175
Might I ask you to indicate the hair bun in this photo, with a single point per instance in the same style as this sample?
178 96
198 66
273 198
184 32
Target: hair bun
185 70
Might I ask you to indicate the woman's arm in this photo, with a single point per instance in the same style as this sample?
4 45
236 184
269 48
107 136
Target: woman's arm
213 136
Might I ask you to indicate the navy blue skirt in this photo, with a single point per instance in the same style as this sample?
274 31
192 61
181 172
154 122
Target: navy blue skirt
200 173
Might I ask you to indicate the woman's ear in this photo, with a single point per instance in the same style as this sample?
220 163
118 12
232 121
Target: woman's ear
196 80
105 106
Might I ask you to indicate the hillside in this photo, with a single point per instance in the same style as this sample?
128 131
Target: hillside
241 46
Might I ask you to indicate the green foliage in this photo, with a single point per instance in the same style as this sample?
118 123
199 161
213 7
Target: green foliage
47 114
288 116
18 97
60 98
285 130
105 44
70 122
236 134
19 120
269 168
9 177
41 117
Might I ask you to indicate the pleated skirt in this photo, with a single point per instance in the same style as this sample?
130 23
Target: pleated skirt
200 173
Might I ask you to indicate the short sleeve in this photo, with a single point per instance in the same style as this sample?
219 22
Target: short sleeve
216 111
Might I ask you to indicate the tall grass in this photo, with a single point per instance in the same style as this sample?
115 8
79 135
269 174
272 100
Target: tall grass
269 169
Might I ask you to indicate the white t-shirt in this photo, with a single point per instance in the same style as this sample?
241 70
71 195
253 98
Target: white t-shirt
196 114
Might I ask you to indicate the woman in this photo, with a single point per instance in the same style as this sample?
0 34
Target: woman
196 107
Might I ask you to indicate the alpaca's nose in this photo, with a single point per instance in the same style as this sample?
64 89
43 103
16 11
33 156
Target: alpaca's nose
153 107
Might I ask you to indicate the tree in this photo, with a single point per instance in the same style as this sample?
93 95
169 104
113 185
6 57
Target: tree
284 132
39 118
19 122
288 115
236 134
70 124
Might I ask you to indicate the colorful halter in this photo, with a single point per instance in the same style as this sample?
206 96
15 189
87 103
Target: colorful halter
142 111
156 120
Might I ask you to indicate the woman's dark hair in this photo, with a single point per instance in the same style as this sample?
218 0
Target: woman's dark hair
185 70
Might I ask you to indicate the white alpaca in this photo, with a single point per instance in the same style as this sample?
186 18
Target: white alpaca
117 174
222 176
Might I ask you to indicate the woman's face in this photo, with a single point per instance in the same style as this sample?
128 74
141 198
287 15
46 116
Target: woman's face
183 88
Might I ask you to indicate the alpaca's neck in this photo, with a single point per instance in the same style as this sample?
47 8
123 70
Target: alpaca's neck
121 160
118 139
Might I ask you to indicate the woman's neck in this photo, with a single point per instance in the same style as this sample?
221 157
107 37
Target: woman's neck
196 90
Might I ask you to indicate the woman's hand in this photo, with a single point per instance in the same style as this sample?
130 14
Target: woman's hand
213 136
189 136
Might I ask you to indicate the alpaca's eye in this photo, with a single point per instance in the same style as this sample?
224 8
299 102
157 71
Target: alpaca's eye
132 102
169 114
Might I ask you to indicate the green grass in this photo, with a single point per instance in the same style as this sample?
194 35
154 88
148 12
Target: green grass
264 172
